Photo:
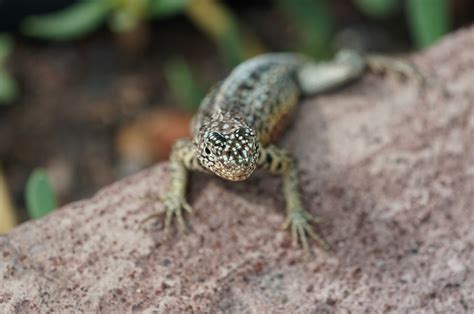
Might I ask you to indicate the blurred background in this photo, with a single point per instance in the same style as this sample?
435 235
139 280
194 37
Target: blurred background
92 91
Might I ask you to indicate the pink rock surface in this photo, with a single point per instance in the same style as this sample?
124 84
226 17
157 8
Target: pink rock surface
391 165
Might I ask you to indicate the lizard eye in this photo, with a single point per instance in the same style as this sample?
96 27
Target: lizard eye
207 151
217 137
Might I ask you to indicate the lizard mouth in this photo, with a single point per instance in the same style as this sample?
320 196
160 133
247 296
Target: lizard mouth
236 177
233 174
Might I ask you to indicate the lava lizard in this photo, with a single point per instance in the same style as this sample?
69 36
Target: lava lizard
242 116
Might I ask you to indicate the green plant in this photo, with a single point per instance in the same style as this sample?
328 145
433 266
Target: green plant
86 16
164 8
428 21
81 18
216 21
378 8
8 86
183 86
72 22
39 195
315 24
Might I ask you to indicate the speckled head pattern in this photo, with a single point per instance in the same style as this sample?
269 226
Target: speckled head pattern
227 146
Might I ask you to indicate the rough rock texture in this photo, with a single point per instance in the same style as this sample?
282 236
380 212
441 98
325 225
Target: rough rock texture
389 164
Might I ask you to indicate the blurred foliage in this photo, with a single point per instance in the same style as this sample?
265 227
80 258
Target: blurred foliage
7 214
314 21
378 8
164 8
183 86
40 197
5 47
219 24
72 22
128 14
85 16
8 87
428 21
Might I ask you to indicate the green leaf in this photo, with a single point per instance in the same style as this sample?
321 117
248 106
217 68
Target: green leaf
377 8
314 21
232 44
128 14
40 197
78 19
222 26
161 8
8 87
182 83
5 47
428 21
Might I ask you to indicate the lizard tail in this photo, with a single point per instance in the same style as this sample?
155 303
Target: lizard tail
318 77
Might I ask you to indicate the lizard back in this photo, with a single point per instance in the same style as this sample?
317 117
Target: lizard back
263 91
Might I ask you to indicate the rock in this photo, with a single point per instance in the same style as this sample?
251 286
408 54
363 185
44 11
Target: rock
390 164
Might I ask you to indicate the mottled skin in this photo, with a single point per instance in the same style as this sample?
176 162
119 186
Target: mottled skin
242 116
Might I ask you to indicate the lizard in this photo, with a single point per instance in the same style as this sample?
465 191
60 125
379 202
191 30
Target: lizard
239 120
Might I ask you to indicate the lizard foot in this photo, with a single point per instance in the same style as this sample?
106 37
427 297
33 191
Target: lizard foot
300 228
173 207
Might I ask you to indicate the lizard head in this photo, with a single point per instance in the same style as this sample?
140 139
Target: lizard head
228 147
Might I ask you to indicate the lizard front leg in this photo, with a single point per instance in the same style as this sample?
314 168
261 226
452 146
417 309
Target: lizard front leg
279 161
183 158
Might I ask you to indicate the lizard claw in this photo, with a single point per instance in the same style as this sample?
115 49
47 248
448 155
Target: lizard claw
173 207
301 228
